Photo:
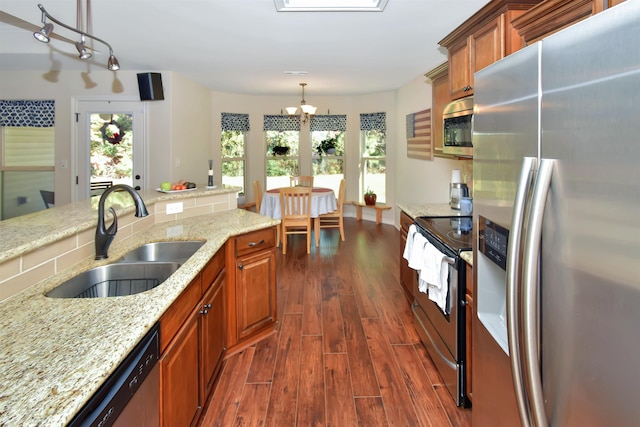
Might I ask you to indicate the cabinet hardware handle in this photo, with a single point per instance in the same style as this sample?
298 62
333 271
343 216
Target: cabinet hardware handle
240 266
207 306
251 244
204 311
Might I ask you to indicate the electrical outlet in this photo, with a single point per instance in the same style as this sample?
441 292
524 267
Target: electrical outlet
174 208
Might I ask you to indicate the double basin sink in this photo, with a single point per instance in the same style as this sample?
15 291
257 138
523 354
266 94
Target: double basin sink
139 270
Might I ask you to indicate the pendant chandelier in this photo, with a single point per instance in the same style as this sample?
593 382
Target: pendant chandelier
83 51
305 111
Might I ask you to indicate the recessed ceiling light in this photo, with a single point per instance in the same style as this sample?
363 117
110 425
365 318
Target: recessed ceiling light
330 5
295 73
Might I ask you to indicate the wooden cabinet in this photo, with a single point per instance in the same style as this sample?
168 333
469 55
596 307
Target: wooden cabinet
181 401
213 331
482 48
440 96
469 330
551 16
192 342
483 39
251 296
407 275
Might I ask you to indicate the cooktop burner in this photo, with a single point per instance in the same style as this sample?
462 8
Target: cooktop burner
455 231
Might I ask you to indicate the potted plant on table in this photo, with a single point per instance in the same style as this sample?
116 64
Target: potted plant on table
370 197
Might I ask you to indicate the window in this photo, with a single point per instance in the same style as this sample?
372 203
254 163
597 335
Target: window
328 164
234 128
374 151
282 137
27 142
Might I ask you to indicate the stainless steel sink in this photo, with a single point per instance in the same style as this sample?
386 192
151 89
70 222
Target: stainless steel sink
117 279
173 251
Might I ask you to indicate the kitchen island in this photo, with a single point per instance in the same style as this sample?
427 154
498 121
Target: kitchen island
56 353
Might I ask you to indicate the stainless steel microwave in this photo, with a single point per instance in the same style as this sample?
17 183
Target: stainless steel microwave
458 127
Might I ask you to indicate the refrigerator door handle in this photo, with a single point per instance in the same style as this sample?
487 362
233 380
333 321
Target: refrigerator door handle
530 291
529 165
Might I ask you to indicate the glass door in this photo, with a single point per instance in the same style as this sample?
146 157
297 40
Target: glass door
110 146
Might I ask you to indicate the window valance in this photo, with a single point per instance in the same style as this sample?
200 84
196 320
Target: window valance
329 122
235 121
281 123
373 121
27 113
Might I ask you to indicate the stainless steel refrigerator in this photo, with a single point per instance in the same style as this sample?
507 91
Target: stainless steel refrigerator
556 335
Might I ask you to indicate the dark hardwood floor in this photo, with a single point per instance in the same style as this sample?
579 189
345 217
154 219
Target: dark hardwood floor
345 351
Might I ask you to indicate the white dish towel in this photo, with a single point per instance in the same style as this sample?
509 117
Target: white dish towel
436 274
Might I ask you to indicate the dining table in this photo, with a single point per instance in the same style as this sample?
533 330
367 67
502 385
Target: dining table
323 200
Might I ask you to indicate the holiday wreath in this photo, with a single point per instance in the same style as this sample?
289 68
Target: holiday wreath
112 132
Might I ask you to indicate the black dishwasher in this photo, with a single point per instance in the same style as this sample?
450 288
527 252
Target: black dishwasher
130 396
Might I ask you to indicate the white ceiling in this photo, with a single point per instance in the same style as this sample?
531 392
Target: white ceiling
244 46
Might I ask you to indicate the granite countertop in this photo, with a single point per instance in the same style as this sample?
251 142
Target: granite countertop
57 352
28 232
415 210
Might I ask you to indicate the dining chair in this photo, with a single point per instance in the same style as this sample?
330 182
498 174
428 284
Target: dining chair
257 194
301 181
48 197
295 205
332 219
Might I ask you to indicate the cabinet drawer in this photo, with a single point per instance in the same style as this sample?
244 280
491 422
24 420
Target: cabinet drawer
255 241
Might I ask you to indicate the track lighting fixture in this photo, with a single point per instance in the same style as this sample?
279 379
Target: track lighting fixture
45 32
82 49
306 110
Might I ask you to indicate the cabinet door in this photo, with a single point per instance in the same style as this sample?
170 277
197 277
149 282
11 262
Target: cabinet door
180 376
213 331
486 47
459 69
255 292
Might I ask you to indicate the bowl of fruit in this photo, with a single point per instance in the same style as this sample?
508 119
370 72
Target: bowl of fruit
172 187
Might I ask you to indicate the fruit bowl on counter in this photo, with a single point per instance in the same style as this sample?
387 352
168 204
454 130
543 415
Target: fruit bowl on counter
175 187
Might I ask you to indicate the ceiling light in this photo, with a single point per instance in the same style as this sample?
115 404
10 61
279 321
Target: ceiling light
45 32
82 49
306 110
330 5
112 64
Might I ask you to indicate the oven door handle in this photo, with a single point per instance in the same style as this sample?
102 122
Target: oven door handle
450 260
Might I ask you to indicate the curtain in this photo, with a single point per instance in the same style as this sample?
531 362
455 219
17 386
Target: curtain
235 121
281 123
20 113
373 121
330 122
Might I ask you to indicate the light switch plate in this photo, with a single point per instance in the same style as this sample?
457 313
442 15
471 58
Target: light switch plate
174 208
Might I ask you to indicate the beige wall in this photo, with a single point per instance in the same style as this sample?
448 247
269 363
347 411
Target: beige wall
183 131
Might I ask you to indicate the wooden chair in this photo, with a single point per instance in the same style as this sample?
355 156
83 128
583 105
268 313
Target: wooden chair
295 205
96 188
257 194
301 181
332 219
48 197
